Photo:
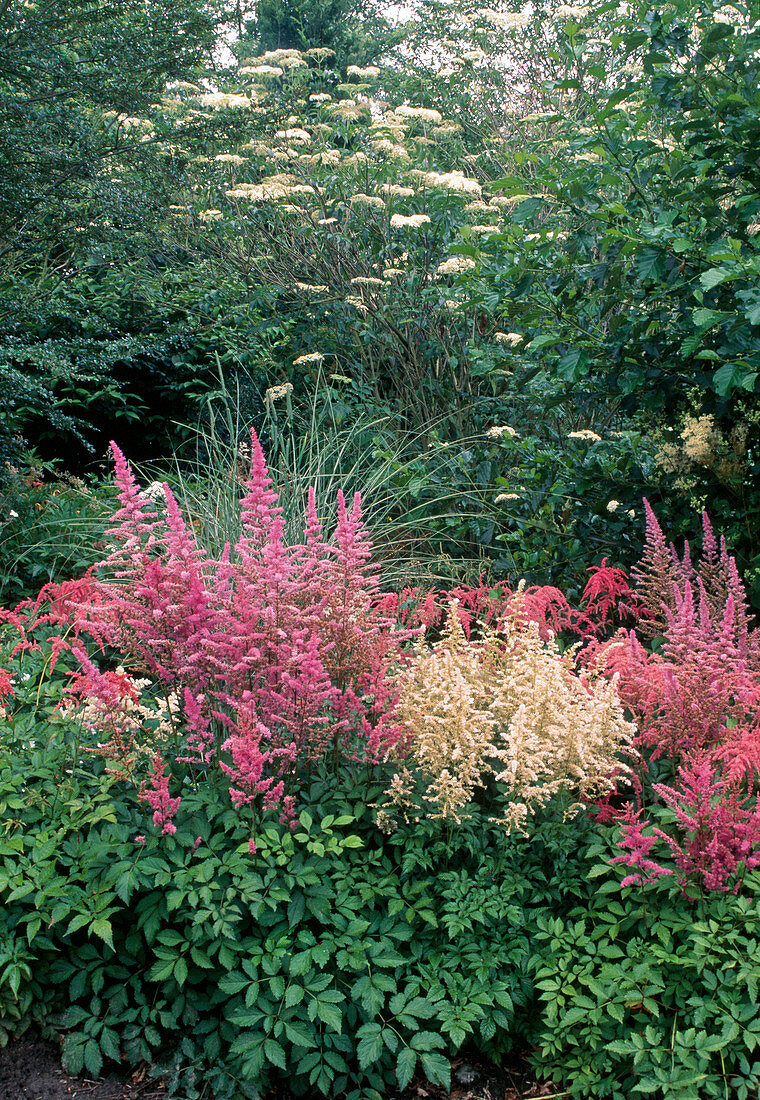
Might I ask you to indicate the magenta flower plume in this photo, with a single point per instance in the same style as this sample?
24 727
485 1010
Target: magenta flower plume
284 648
637 848
251 768
719 826
157 796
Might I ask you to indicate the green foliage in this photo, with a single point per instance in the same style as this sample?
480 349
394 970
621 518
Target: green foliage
645 993
637 278
356 33
338 961
344 961
51 528
61 66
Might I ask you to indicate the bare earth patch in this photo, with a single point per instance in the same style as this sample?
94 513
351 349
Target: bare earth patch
30 1069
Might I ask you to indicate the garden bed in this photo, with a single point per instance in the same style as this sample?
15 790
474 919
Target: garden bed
30 1069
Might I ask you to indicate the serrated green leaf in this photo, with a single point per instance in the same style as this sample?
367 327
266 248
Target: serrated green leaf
93 1059
405 1064
437 1069
274 1053
180 972
299 1035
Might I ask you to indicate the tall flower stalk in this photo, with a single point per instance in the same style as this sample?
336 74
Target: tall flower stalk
280 655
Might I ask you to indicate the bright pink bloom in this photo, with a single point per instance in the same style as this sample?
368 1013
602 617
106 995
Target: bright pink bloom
637 848
164 808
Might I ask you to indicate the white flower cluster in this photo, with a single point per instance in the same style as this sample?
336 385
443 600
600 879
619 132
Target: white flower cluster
261 70
369 72
586 434
224 99
449 181
361 199
422 114
310 357
506 20
295 134
455 265
403 221
275 393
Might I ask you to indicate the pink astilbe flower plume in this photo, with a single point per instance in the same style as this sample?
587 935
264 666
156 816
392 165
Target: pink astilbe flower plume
719 826
284 648
133 525
200 740
637 848
157 796
259 506
696 703
252 769
655 576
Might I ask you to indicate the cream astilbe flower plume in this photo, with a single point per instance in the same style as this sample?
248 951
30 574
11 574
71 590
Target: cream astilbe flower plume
509 707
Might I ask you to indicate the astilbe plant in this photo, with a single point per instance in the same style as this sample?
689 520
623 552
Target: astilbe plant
508 708
606 599
696 701
273 657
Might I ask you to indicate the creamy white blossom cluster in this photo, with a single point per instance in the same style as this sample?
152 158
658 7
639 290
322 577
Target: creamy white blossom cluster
512 708
449 181
506 20
309 357
296 134
455 265
218 100
397 191
261 70
393 150
367 280
369 72
360 199
421 114
585 434
412 221
276 393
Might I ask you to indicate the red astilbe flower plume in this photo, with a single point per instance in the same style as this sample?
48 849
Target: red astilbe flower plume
696 702
607 592
6 684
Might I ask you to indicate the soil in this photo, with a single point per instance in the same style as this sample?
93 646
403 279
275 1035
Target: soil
30 1069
